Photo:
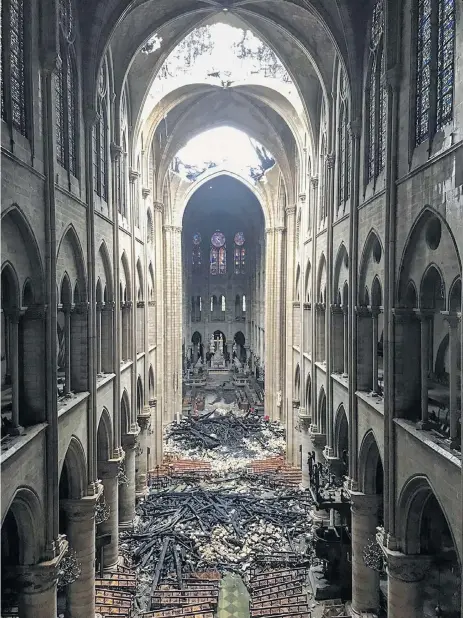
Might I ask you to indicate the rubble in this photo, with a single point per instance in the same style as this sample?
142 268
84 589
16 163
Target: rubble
227 437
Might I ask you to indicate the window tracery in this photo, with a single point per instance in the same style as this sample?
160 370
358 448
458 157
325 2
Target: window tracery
14 107
100 139
435 55
196 258
376 98
218 254
240 254
66 94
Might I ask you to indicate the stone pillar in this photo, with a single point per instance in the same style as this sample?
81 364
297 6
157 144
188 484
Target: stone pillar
364 350
67 348
425 320
405 590
37 582
81 536
292 453
141 464
345 356
365 581
108 472
337 338
127 491
374 349
160 300
156 432
454 352
99 336
318 444
13 343
270 405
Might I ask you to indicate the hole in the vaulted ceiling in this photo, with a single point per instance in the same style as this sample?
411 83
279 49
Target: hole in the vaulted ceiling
222 147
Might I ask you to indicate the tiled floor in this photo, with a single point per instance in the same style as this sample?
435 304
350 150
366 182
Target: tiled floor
233 598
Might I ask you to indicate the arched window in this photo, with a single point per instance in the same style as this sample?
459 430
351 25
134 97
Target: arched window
196 258
435 67
240 254
223 303
14 70
244 303
100 139
218 254
123 160
376 98
66 95
344 154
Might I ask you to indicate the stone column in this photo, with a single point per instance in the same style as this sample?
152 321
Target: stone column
405 590
142 452
156 431
37 582
108 471
160 299
345 356
425 320
99 336
271 408
81 536
291 436
318 444
67 348
374 350
364 350
13 342
127 491
365 581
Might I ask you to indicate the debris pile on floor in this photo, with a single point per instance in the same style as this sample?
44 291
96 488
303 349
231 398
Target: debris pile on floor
115 593
226 437
279 593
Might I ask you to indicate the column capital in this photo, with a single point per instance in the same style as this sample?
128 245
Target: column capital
172 228
452 319
355 127
406 568
109 469
302 197
115 150
318 439
291 210
159 206
44 575
91 116
330 160
109 305
392 77
423 314
362 312
83 509
402 315
13 314
129 440
363 504
140 303
144 418
153 403
133 175
36 312
336 309
314 181
81 308
145 192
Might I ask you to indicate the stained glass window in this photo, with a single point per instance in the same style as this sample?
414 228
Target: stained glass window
222 261
445 62
214 261
223 303
239 254
196 253
344 155
59 111
17 67
423 69
244 303
100 152
435 66
71 79
376 99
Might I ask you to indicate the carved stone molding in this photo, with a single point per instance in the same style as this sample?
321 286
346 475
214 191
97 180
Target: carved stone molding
152 403
42 576
83 509
133 175
145 192
291 210
330 160
318 439
140 304
314 181
109 469
129 440
173 228
363 504
159 206
115 150
412 568
143 420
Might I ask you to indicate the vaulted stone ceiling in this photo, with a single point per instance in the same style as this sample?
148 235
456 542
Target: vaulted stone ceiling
306 37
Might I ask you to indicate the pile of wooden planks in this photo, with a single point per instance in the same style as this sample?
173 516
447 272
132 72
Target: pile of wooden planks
279 594
115 593
197 598
275 472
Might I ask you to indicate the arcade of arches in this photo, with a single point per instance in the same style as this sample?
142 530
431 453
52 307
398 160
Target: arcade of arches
322 250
